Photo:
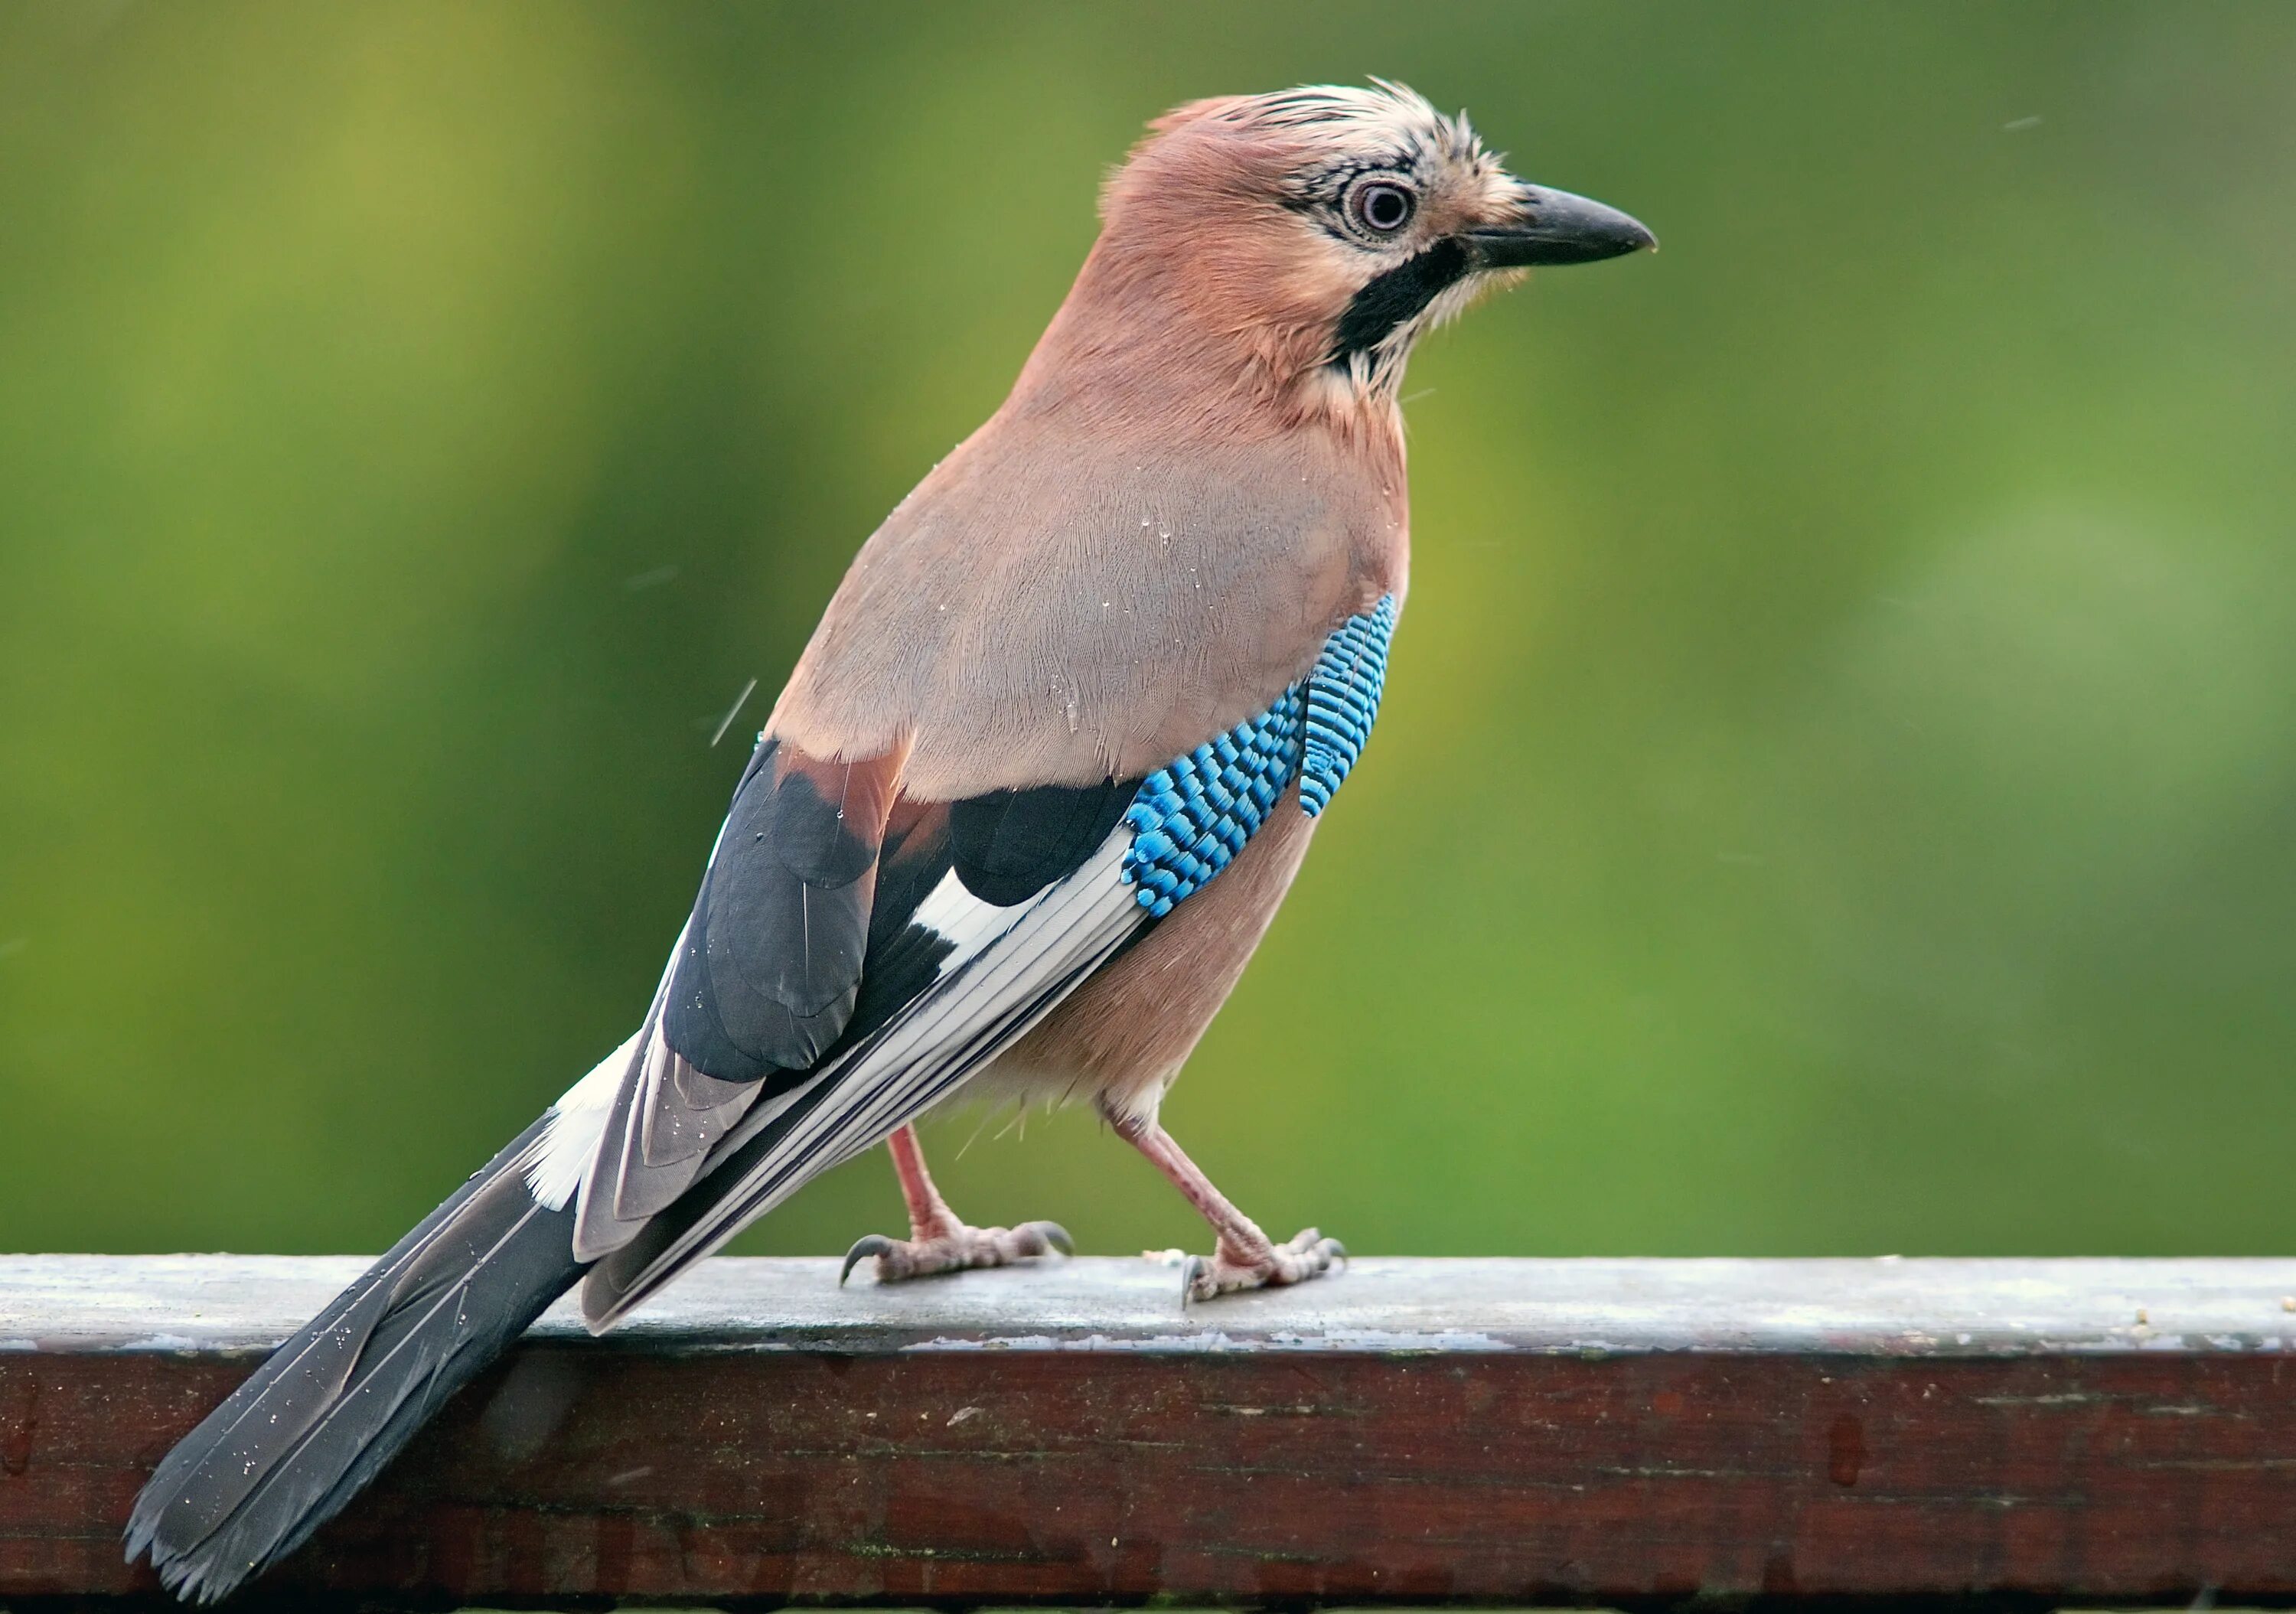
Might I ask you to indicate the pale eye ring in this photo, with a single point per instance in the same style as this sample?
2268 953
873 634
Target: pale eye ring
1382 206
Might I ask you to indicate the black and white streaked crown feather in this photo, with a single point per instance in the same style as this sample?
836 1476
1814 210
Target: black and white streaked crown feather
1360 116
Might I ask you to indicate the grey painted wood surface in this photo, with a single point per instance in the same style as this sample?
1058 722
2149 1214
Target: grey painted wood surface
1886 1306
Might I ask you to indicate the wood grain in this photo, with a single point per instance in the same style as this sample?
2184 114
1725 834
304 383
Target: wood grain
1605 1432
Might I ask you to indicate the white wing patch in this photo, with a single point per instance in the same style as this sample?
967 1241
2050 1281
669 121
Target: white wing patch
576 1123
963 918
568 1147
1012 966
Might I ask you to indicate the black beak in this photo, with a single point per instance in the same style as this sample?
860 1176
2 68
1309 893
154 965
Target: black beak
1556 227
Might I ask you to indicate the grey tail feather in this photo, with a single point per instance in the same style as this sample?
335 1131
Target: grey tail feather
332 1406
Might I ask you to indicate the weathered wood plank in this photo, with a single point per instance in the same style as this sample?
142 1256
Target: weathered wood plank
1619 1431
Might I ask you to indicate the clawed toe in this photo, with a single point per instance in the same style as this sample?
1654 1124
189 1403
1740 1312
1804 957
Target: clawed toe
1052 1235
1306 1255
955 1249
867 1245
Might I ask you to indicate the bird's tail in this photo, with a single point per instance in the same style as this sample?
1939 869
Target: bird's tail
323 1414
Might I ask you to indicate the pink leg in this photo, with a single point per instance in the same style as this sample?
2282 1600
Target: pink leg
1244 1258
937 1241
930 1215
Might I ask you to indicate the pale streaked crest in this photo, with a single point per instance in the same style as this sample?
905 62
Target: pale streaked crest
1347 116
1351 184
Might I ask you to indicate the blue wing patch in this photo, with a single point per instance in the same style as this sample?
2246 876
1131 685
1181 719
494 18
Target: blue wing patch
1192 816
1342 700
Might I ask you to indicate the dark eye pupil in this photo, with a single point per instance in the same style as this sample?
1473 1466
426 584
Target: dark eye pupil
1385 207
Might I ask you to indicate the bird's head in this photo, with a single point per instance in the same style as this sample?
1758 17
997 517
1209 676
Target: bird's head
1317 232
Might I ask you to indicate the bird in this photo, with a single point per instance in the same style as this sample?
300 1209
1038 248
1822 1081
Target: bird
1027 804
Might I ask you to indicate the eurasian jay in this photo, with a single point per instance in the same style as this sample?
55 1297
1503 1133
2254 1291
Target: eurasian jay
1024 809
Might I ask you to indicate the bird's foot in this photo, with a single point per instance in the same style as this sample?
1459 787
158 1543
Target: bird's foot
952 1246
1307 1254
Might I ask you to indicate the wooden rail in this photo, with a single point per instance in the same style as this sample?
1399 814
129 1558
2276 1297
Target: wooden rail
1631 1432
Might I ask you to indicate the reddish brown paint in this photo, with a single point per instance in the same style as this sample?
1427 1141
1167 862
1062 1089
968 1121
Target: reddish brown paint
1336 1476
1845 1446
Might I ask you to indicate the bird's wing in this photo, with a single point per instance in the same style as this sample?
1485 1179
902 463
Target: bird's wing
761 985
986 912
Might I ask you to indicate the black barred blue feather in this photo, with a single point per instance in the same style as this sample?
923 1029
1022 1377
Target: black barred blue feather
1192 816
1343 693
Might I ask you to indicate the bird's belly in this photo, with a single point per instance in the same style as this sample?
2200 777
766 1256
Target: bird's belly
1120 1037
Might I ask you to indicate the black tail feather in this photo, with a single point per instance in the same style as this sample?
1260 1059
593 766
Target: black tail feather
336 1403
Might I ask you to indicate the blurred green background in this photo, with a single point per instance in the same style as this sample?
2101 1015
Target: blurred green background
1837 792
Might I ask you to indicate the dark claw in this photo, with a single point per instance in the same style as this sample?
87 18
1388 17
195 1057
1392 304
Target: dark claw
1336 1251
869 1244
1053 1235
1191 1270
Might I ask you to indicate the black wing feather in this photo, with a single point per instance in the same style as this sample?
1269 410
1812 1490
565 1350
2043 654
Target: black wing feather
1009 845
773 955
1005 848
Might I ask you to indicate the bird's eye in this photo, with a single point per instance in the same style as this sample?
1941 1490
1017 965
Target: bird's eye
1382 206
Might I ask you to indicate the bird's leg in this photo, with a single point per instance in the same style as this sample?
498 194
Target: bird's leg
937 1241
1244 1257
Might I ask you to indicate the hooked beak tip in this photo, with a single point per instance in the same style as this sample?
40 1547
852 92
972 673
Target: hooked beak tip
1556 227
